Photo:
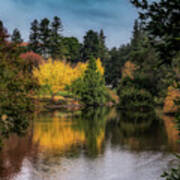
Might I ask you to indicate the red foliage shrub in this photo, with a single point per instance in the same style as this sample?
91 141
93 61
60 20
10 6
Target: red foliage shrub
32 59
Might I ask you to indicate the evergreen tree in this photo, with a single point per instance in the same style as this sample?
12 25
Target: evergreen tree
102 38
5 46
145 56
142 52
56 26
56 38
3 33
3 38
34 43
136 94
91 87
90 45
103 51
16 37
161 21
45 37
94 44
137 34
114 64
72 49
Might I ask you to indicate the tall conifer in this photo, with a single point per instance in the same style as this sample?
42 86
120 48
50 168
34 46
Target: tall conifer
34 43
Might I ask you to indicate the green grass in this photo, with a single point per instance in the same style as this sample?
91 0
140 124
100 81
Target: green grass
64 94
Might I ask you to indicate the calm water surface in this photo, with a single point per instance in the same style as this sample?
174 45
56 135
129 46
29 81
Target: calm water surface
101 144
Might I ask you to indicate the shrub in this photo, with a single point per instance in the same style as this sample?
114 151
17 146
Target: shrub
135 94
169 104
135 99
32 60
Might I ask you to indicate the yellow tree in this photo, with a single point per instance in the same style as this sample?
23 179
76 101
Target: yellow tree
56 75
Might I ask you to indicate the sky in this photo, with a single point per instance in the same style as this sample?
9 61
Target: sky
115 17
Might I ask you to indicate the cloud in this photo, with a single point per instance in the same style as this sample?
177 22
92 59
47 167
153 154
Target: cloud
114 16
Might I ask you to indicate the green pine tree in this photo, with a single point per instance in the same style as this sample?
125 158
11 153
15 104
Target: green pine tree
137 34
45 38
3 38
161 21
114 64
56 38
91 88
90 45
103 51
16 37
34 43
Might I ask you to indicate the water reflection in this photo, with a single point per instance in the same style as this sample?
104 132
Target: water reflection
17 125
91 139
15 150
137 131
55 135
92 123
172 133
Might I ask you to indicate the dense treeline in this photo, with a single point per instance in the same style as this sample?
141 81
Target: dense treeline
47 40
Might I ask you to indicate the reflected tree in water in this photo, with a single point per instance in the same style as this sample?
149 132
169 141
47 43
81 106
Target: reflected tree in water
136 130
92 122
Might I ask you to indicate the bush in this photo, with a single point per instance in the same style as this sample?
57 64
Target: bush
32 60
173 173
135 99
134 94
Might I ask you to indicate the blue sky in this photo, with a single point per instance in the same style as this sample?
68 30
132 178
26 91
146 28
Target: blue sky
115 17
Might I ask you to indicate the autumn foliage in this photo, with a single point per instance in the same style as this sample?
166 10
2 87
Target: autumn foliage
56 75
169 104
128 69
32 59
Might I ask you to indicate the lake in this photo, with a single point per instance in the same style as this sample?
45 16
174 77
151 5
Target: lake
93 144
